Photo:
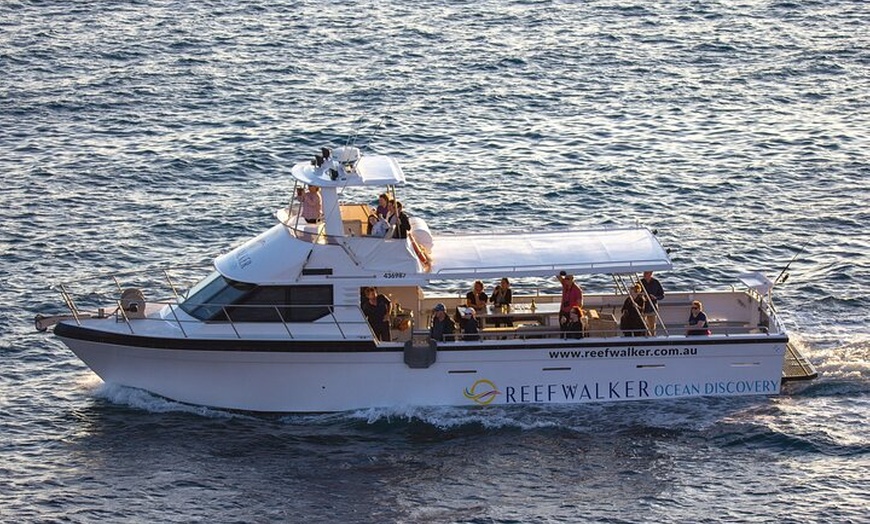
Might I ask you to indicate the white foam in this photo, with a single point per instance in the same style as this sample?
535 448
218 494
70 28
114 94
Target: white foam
141 399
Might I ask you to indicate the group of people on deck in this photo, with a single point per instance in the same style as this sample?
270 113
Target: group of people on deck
387 219
443 327
639 311
638 318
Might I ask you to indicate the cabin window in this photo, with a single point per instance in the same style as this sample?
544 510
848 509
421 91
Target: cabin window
287 303
216 296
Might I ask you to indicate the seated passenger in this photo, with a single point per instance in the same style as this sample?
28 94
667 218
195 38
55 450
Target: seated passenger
574 326
442 326
501 300
377 227
697 320
383 208
476 298
468 323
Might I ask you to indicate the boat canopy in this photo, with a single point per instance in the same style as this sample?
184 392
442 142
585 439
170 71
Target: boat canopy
594 251
345 167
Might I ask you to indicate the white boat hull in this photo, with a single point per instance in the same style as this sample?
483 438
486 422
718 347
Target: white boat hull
555 372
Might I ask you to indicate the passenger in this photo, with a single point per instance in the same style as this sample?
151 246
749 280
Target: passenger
655 292
312 204
631 323
697 320
378 227
398 220
476 298
574 326
442 325
383 206
376 308
392 217
501 298
572 296
468 323
501 294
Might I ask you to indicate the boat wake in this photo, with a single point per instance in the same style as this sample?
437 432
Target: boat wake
145 401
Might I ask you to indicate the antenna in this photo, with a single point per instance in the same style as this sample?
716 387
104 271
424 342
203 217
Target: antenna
357 125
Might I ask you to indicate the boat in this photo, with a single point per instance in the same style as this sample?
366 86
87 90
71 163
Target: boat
276 324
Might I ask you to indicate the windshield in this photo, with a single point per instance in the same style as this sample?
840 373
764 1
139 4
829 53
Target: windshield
205 300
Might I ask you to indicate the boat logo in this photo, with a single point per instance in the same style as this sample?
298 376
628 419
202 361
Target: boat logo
482 392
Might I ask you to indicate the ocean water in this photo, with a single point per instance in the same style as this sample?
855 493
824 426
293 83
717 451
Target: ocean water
161 133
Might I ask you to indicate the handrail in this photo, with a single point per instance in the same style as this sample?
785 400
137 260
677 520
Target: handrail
284 323
171 285
230 320
340 326
125 317
177 320
70 303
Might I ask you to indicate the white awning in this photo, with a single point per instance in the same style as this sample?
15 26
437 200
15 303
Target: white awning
369 170
622 250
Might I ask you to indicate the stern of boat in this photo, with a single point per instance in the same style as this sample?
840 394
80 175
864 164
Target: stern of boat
796 366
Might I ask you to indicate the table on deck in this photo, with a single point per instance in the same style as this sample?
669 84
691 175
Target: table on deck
518 313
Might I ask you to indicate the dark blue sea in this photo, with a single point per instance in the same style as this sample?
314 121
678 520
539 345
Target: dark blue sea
150 133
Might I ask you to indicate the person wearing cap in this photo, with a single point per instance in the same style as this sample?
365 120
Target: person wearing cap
442 325
572 296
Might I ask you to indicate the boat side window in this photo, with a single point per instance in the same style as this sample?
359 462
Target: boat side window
216 297
287 303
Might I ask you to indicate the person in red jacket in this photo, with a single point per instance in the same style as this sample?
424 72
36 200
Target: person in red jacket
572 296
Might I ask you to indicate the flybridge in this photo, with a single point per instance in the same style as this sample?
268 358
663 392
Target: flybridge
345 166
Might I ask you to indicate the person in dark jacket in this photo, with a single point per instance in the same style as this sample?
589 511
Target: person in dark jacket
376 308
442 325
468 323
501 300
574 326
398 220
631 323
654 292
476 298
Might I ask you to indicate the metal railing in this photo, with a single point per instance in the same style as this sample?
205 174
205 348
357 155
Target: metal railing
337 322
